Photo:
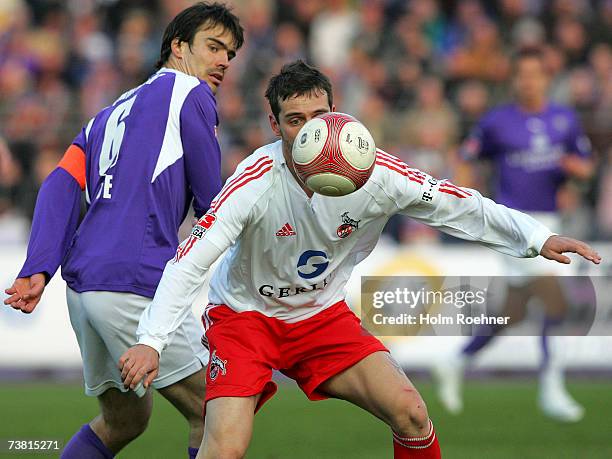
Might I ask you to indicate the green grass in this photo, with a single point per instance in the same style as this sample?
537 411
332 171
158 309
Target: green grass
500 421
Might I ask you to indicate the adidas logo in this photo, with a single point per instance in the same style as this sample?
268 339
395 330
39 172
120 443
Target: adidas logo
286 230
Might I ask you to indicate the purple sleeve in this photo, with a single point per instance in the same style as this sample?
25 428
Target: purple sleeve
200 147
577 142
479 143
80 139
54 225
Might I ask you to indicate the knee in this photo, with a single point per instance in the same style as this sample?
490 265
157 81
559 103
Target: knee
225 441
409 417
230 451
224 448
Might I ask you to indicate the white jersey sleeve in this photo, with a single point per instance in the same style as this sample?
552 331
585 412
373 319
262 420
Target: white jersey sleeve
461 212
216 231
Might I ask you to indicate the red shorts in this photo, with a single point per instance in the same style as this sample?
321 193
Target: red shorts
245 347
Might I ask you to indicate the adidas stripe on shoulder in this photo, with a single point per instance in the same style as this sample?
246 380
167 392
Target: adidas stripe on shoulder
244 177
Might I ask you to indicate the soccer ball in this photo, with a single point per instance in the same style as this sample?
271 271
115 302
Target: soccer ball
334 154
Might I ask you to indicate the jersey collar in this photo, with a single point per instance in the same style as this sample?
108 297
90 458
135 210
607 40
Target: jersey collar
278 152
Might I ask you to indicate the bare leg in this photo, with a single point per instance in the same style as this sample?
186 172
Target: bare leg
228 427
379 385
548 291
554 399
124 416
187 396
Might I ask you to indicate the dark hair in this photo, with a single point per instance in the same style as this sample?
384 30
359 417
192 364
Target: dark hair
528 53
186 24
296 79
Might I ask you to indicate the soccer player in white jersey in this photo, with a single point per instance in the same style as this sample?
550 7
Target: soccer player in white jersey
277 297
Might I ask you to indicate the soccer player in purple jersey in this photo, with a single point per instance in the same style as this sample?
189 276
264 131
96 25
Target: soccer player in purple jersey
140 162
535 147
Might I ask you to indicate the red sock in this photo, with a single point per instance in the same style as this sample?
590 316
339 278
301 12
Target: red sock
417 447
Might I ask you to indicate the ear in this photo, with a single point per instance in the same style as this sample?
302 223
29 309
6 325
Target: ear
333 108
274 125
177 48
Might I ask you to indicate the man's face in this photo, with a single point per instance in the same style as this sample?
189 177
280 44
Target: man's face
294 113
531 80
208 58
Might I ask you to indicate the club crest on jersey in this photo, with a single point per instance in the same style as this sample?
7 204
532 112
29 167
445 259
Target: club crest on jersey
203 225
347 227
216 365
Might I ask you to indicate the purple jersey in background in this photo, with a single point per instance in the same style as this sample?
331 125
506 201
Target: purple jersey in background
147 156
526 149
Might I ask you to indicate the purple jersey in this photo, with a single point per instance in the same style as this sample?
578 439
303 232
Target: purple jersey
526 149
147 156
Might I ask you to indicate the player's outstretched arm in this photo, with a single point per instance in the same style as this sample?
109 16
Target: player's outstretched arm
56 218
26 292
183 276
466 214
180 284
138 362
556 246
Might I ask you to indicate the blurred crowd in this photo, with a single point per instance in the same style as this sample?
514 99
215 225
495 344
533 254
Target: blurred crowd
417 73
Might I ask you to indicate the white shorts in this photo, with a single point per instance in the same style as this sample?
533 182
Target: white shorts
520 270
105 325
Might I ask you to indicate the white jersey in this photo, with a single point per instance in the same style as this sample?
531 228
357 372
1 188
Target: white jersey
290 256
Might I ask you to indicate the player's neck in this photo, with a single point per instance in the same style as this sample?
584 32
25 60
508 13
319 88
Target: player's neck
533 105
180 66
176 64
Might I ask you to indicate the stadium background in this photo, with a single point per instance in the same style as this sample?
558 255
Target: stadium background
418 73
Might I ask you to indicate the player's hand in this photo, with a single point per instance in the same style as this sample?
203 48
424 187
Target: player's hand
556 246
138 362
578 167
25 292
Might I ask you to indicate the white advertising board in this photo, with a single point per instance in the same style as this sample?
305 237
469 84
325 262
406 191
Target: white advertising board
45 337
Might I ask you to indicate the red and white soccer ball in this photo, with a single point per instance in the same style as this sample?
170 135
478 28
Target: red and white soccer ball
334 154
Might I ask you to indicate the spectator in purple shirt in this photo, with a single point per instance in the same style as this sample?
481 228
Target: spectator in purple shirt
535 147
141 162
